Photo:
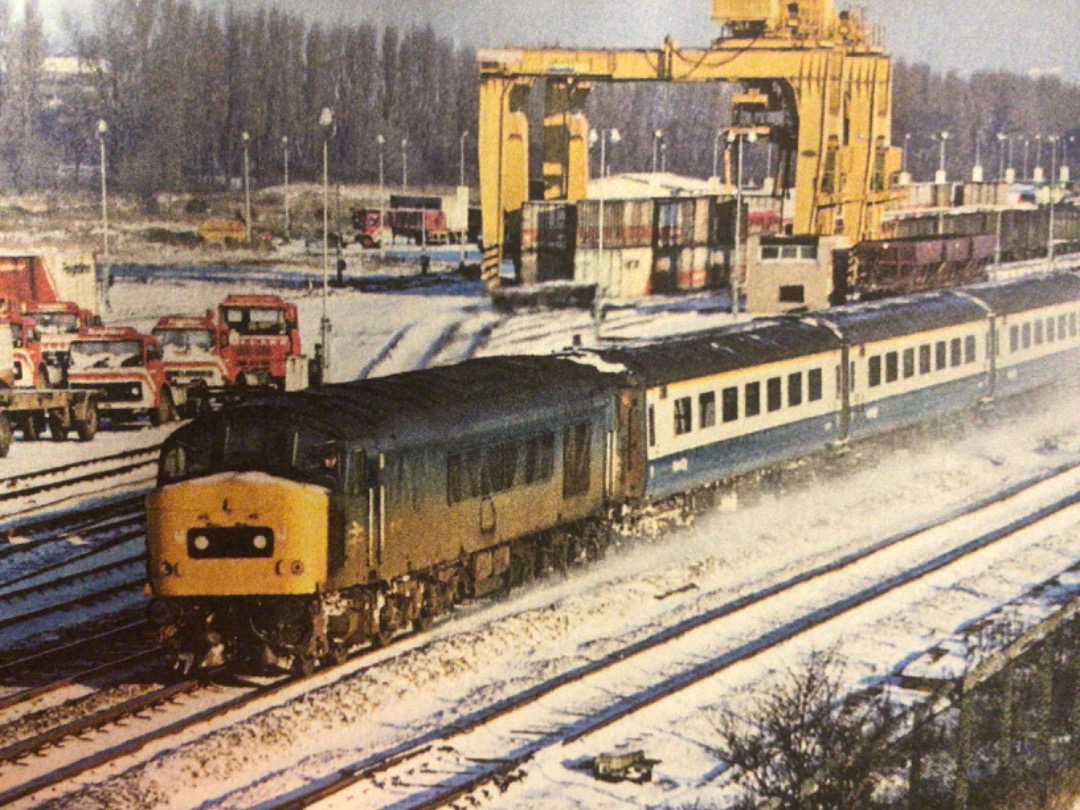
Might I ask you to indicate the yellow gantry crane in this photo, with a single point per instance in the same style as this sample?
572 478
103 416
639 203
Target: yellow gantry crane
815 70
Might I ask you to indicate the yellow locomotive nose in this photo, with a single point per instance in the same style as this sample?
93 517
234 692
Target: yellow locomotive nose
237 534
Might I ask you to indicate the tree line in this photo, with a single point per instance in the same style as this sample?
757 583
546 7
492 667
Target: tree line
178 85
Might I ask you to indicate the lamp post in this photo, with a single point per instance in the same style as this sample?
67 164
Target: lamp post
461 145
326 122
716 153
1001 137
663 156
1050 231
738 138
941 178
102 131
977 171
1027 144
1037 172
382 248
404 164
658 137
247 188
603 136
285 152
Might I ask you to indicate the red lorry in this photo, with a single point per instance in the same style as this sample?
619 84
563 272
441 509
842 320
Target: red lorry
128 370
59 323
261 342
252 342
422 226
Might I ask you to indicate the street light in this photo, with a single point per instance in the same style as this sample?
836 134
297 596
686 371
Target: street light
658 137
381 141
1027 144
738 138
404 164
1001 136
285 150
464 135
102 131
1053 167
941 176
663 156
603 136
247 188
1037 172
326 121
461 179
716 153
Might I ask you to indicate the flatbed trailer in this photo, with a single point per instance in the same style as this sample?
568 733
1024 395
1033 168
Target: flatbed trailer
61 410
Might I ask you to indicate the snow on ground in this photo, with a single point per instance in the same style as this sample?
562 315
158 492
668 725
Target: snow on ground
490 648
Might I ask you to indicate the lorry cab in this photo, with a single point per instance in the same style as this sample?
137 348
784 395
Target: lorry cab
30 367
260 342
128 368
59 323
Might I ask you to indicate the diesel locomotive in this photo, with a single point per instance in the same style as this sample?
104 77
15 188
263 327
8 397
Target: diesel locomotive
291 528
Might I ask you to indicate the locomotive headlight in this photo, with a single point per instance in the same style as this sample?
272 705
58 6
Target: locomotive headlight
259 541
136 391
202 542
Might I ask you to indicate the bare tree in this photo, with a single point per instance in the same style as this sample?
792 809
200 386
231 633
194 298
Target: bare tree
806 747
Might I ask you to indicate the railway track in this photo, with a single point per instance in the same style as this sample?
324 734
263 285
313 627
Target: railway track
489 746
56 479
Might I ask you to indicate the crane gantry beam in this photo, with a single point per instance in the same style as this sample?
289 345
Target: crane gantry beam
834 83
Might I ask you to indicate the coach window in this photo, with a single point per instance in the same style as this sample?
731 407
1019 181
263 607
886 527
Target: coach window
577 441
753 399
813 385
1063 328
1072 324
772 394
1038 332
909 363
1014 338
684 416
794 389
940 355
652 426
730 404
1025 335
892 370
956 352
969 349
924 359
1050 329
707 408
875 370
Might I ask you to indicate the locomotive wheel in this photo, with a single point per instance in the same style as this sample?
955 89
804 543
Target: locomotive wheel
304 665
381 637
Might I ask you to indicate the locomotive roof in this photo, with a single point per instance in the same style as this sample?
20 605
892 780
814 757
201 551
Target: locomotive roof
1029 292
896 317
446 401
720 350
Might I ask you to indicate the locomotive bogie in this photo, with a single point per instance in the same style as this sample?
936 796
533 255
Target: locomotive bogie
237 534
